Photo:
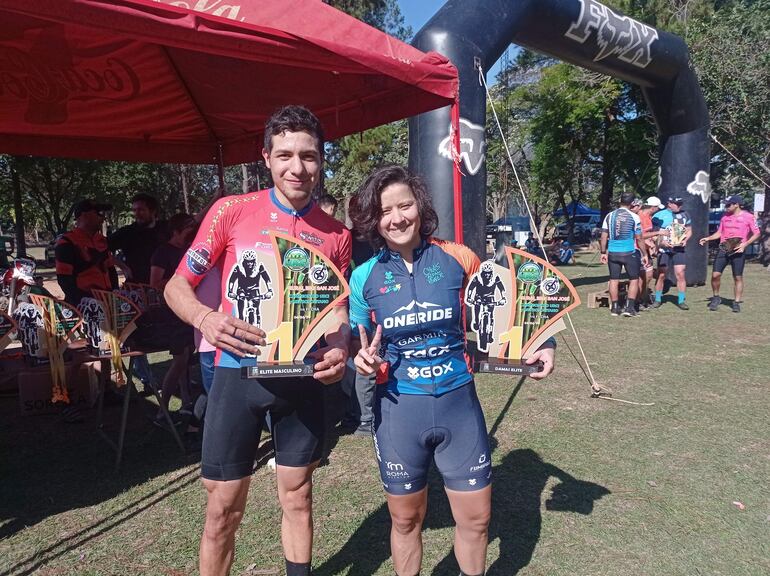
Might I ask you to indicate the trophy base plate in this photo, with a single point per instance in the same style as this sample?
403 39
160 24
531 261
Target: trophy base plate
277 370
513 367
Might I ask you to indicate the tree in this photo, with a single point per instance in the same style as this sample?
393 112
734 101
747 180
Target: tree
352 158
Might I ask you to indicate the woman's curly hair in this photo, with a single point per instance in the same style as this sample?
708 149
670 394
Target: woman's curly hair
365 207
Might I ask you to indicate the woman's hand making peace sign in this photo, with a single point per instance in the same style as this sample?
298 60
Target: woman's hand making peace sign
367 360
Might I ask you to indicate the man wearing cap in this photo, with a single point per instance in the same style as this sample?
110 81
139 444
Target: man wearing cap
645 212
620 231
737 231
674 229
83 260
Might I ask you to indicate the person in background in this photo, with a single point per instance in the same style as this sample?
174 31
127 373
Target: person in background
621 233
650 207
669 254
328 204
564 254
83 257
135 243
737 231
531 245
163 263
134 246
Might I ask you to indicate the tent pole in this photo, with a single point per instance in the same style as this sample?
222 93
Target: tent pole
456 172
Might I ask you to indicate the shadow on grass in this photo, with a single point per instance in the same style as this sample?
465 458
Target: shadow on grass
50 467
518 484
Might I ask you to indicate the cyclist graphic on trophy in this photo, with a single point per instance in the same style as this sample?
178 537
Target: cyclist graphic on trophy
482 295
244 287
515 309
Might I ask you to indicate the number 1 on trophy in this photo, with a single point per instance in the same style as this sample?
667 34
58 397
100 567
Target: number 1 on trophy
284 337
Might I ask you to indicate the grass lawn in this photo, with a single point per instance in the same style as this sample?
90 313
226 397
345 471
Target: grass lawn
581 486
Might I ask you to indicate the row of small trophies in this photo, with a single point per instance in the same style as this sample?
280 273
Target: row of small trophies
43 324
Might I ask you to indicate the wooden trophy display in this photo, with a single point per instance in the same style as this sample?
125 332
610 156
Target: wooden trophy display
60 321
514 310
290 292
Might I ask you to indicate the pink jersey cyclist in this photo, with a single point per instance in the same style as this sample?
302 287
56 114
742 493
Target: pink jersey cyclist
740 225
238 225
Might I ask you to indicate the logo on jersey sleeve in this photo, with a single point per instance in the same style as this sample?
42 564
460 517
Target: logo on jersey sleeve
433 273
198 259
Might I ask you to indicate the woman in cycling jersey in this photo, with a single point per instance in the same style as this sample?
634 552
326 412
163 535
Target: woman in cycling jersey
406 305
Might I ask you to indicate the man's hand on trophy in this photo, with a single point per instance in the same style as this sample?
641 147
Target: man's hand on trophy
546 355
231 334
367 361
331 364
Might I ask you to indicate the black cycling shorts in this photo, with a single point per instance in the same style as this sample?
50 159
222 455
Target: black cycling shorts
616 261
410 430
736 261
236 412
676 258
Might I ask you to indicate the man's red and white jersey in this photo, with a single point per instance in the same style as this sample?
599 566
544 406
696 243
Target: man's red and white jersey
239 226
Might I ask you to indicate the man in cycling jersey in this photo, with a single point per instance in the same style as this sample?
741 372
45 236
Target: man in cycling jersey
737 231
620 231
673 231
233 228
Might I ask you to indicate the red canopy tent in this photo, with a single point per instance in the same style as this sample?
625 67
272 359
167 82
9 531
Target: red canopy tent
193 82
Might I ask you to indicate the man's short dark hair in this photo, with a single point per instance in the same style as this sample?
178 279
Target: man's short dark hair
327 200
148 200
293 119
626 198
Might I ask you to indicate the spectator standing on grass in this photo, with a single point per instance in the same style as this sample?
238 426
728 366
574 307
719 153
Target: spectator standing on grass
668 222
178 335
650 207
83 258
134 246
293 152
737 231
618 243
135 243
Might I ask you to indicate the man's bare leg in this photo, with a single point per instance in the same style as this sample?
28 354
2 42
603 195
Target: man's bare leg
224 512
295 493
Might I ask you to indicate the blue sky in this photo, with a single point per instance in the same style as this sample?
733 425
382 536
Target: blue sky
418 12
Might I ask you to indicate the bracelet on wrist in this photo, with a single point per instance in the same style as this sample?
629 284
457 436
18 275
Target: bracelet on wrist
204 318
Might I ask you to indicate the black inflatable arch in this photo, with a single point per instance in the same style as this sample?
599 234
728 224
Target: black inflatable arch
585 33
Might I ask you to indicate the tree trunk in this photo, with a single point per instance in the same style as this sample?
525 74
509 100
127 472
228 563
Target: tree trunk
764 229
245 177
608 174
185 191
18 208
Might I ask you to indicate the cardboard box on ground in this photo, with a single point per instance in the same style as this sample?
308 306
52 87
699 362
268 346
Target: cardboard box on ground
35 390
